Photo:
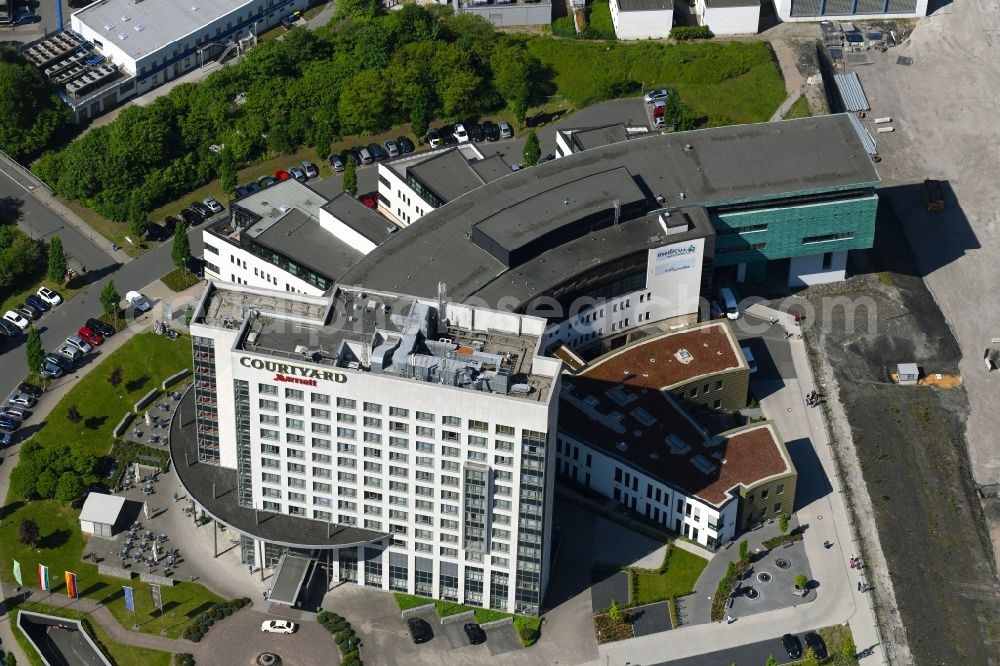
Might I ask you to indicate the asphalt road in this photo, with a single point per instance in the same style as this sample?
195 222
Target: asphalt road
750 654
64 320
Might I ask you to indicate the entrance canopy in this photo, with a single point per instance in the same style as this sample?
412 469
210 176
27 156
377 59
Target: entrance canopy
289 578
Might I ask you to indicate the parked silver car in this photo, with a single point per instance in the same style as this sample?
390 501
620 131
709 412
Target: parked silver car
21 400
79 343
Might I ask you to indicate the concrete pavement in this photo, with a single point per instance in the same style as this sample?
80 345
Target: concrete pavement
838 600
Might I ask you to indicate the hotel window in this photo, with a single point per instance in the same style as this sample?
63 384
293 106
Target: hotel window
298 440
451 451
373 437
450 466
296 468
346 418
425 416
272 506
481 426
320 413
450 436
501 445
372 422
396 456
295 454
399 412
424 461
452 421
347 477
270 449
294 394
321 428
399 486
268 404
323 444
296 497
373 467
477 455
322 487
423 431
343 447
346 433
269 434
398 426
267 389
269 419
476 440
426 447
321 458
320 399
373 407
322 515
347 403
399 442
505 430
270 478
344 491
322 473
347 462
297 424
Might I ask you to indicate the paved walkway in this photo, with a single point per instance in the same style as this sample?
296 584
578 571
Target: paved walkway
827 517
795 83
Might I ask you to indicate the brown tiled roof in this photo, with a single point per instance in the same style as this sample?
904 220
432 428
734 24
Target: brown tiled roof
633 417
652 362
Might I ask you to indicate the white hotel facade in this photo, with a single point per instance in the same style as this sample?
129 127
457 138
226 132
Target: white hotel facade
422 430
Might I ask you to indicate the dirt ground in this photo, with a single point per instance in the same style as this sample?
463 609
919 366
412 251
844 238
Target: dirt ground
910 450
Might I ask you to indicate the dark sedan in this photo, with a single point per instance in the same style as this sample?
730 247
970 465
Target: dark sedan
475 634
405 145
191 218
475 131
420 630
793 646
815 642
491 131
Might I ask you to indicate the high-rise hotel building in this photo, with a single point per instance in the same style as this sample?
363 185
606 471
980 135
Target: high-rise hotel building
405 443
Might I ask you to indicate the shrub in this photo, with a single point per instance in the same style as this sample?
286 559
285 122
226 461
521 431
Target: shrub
683 33
783 522
801 581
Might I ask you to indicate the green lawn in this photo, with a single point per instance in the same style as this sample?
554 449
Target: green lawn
121 653
723 82
834 638
800 109
599 20
179 279
445 608
146 360
60 549
683 569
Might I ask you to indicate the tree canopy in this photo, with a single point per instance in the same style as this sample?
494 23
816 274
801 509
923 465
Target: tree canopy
366 72
32 114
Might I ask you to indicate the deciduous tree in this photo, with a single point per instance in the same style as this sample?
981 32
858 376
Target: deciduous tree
27 532
69 488
73 414
110 298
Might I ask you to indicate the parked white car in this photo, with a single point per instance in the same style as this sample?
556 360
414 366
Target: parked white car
138 301
16 319
49 296
278 627
460 133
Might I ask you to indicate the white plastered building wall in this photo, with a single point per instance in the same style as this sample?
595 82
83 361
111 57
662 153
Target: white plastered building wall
651 24
743 20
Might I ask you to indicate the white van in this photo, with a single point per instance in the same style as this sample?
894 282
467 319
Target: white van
729 305
748 355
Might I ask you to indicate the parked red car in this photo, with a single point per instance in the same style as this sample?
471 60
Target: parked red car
90 336
659 111
281 174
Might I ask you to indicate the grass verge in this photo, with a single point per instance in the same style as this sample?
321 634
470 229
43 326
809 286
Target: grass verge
180 279
114 232
682 571
839 642
146 360
528 628
120 653
799 109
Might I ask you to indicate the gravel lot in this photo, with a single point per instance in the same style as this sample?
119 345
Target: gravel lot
909 443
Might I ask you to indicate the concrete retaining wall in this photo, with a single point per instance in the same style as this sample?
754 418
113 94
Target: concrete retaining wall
173 379
410 612
145 400
466 616
123 424
498 623
159 580
117 572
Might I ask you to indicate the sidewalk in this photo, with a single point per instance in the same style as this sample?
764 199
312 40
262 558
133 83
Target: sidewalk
838 600
40 413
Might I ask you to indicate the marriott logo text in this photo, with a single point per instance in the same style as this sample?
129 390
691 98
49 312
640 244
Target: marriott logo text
291 373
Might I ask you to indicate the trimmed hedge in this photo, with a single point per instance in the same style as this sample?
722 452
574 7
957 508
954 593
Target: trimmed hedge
195 631
184 659
684 33
344 636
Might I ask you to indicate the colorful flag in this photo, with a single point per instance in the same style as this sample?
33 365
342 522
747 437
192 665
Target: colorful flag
71 584
129 599
17 573
157 601
43 577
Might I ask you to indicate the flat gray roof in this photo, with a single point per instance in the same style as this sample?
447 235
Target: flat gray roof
448 175
214 488
299 236
594 137
645 5
150 25
288 579
102 508
359 217
491 168
732 3
687 169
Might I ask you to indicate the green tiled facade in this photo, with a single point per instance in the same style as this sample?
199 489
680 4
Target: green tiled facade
798 230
